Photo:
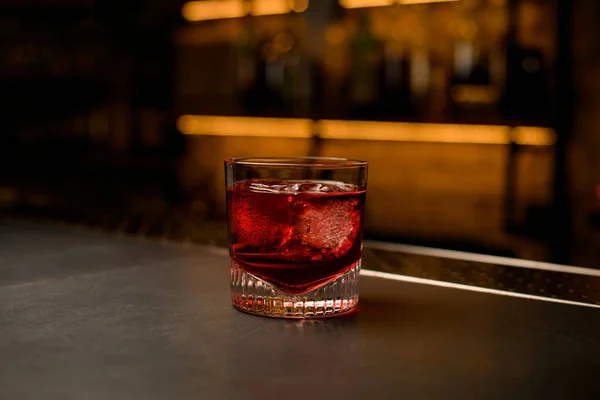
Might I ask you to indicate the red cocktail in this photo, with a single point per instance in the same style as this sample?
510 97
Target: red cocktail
295 244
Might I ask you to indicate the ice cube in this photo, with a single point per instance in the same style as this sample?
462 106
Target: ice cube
275 186
330 227
272 186
278 216
323 187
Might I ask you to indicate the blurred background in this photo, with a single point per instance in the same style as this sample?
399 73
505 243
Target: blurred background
479 118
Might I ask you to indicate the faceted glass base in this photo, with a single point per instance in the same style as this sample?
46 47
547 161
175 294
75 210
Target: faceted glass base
255 296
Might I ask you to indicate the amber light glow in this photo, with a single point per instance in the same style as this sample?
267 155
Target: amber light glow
195 11
270 7
244 126
363 130
413 132
435 133
382 3
534 136
365 3
213 9
423 1
298 5
475 94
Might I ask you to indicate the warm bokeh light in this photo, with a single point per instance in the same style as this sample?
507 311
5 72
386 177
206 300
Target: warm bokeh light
534 136
270 7
382 3
363 130
298 5
475 94
213 9
413 132
335 34
222 9
423 1
365 3
244 126
436 133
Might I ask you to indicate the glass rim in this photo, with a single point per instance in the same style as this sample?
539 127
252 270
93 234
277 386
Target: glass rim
297 162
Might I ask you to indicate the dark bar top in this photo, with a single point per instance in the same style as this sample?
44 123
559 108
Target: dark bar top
90 315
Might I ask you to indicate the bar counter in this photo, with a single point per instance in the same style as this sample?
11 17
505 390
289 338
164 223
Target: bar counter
86 314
